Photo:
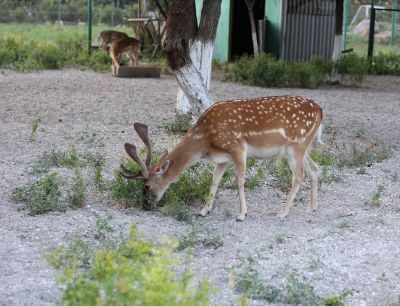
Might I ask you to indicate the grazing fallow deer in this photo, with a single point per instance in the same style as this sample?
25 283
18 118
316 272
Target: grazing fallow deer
232 131
108 37
128 45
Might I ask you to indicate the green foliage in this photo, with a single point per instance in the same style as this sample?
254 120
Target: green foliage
181 124
267 71
35 125
344 224
128 191
134 272
385 64
336 300
76 194
249 282
98 180
200 234
360 155
353 65
42 195
376 197
56 158
22 54
281 171
78 253
255 180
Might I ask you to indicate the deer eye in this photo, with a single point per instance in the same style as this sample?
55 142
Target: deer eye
146 187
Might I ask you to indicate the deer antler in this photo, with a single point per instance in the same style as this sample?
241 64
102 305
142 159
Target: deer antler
142 130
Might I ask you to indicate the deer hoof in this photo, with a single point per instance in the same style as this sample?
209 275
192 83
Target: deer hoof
204 213
282 214
241 217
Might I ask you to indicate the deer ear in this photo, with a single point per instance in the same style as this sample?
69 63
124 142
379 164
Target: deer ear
163 167
163 155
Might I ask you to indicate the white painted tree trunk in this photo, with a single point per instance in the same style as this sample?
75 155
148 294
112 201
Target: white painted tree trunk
195 79
337 53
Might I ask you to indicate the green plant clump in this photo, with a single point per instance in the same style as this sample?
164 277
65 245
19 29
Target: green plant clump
134 272
267 71
42 195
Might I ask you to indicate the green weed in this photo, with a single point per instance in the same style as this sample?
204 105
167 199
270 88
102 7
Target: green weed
181 124
255 180
344 224
357 155
56 158
336 300
376 197
35 125
76 193
42 195
200 234
134 272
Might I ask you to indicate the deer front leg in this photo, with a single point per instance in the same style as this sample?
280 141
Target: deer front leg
218 173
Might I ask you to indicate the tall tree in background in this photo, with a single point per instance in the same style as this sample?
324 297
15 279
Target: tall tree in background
250 7
189 50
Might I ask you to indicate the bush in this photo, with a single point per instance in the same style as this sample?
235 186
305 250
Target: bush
385 64
132 272
267 71
42 195
355 66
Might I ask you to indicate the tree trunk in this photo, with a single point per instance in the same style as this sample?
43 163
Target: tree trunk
337 46
250 6
189 52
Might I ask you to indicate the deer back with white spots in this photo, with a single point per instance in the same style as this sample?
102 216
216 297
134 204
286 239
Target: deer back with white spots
232 131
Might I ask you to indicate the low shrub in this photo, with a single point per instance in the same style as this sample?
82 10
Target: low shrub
132 272
353 66
41 195
385 64
267 71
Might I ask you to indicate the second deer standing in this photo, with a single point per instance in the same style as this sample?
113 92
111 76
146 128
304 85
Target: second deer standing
232 131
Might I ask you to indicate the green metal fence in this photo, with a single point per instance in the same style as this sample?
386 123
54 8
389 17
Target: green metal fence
371 26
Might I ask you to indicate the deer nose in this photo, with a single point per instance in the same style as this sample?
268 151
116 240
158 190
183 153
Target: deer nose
147 188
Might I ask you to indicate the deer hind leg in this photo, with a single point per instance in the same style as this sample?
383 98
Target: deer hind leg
295 157
114 58
240 170
133 57
311 170
218 173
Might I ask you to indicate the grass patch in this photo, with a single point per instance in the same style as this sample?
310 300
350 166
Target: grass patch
76 194
376 197
360 155
134 272
200 235
267 71
181 124
286 286
56 158
35 125
42 195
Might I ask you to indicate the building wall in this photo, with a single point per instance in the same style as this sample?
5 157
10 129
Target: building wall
273 13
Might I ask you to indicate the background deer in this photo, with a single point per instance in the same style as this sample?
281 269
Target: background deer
108 37
232 131
128 45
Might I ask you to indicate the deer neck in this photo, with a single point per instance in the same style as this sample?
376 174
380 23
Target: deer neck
184 155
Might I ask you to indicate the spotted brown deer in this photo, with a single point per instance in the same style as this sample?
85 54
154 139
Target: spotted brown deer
233 130
128 45
108 37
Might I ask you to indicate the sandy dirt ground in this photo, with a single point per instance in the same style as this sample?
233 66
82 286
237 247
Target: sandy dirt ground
363 256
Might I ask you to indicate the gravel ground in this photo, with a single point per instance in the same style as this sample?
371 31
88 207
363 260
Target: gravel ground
362 256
